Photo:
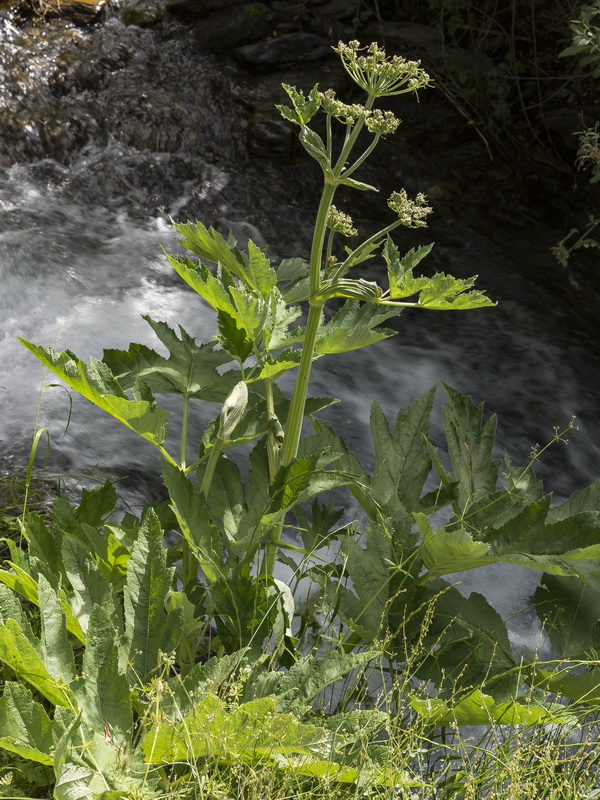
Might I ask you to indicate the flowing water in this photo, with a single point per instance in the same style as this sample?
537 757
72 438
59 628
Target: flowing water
108 131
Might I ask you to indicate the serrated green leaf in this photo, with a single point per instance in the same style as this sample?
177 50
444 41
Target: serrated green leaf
88 586
402 461
232 338
279 318
449 551
353 327
58 654
18 653
73 783
309 676
210 245
286 360
25 728
262 274
290 269
446 293
401 281
149 630
25 585
242 611
103 691
304 107
570 613
364 609
587 499
470 447
141 416
190 370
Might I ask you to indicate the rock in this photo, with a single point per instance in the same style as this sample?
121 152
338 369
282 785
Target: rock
403 35
285 49
79 12
196 9
237 26
142 13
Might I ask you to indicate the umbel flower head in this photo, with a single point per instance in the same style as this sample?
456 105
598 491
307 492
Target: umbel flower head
340 222
378 75
411 213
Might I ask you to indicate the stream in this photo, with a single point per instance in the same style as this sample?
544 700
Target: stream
109 130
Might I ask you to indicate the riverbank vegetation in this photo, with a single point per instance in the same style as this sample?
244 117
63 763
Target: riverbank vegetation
280 622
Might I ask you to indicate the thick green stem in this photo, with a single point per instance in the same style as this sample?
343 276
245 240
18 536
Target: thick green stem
296 413
212 463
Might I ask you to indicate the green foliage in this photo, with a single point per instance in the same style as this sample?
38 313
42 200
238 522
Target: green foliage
143 652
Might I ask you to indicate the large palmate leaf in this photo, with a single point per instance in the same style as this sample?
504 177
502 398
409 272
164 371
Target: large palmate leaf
470 447
190 370
570 615
248 311
309 676
149 630
567 547
248 732
354 326
97 383
402 462
468 641
363 609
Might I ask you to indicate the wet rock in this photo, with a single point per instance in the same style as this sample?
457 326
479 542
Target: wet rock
285 49
269 134
78 12
142 13
237 26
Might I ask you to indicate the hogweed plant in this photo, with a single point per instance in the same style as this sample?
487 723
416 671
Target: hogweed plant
112 588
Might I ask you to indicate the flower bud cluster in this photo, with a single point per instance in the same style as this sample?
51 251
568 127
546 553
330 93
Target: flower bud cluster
382 122
411 213
340 222
379 76
342 111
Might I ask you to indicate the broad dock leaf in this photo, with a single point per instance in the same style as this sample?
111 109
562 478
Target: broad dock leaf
25 728
149 630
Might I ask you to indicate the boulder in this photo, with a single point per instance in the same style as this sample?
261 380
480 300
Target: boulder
237 26
289 48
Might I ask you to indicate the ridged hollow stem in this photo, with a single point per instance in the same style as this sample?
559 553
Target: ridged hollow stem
212 463
295 418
